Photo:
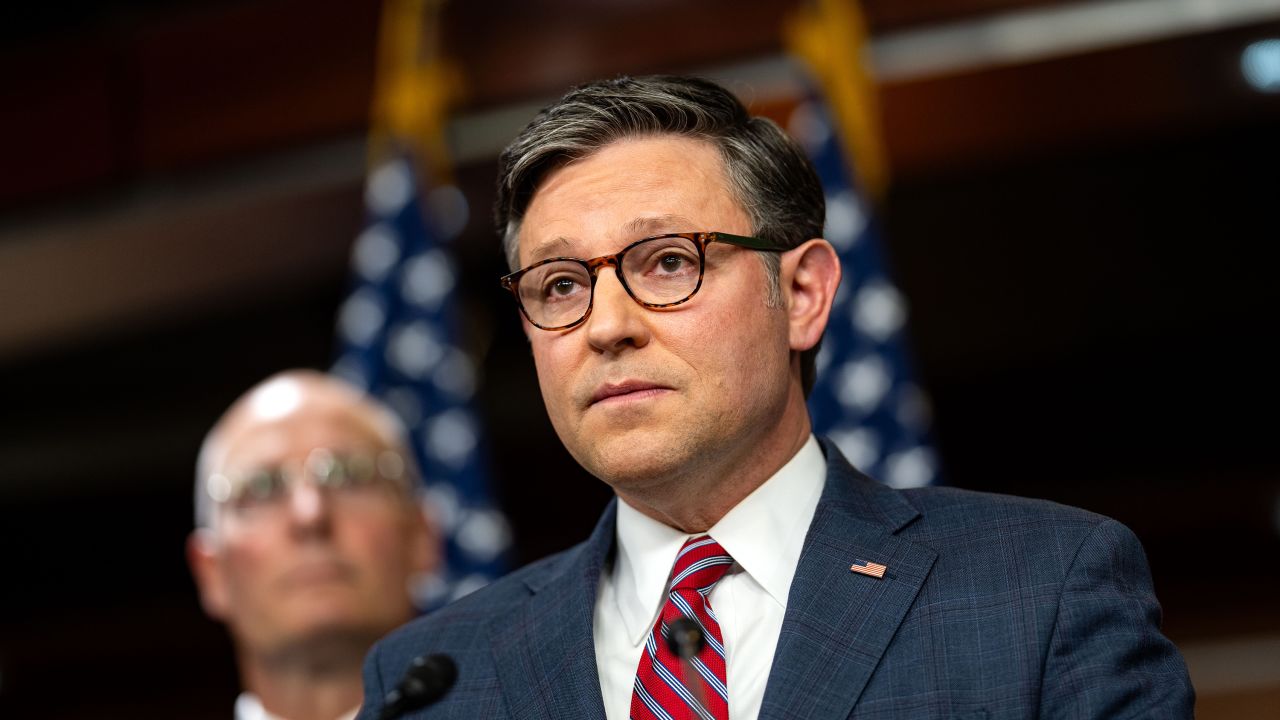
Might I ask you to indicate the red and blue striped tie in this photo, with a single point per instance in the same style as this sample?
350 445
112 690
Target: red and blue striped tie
662 690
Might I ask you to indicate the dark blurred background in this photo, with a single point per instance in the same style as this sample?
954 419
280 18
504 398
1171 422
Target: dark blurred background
1082 222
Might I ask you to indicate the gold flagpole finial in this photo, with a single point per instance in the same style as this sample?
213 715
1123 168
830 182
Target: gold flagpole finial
414 87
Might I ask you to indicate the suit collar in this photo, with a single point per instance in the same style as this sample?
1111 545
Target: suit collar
861 499
544 653
838 622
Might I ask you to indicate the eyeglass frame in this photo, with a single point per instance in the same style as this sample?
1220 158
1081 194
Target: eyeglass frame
511 281
387 468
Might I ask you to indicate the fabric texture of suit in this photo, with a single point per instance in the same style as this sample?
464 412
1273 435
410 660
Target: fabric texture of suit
992 607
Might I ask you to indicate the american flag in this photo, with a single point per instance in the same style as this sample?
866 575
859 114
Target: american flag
865 398
866 567
398 337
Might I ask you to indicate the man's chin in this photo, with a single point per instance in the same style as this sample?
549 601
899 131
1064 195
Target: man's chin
635 458
327 640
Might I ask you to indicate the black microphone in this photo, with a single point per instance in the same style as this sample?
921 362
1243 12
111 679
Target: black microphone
429 677
685 640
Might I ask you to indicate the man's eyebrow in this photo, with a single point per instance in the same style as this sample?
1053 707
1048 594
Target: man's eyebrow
561 246
660 224
555 247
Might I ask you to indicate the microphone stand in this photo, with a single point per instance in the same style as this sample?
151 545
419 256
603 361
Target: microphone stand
685 641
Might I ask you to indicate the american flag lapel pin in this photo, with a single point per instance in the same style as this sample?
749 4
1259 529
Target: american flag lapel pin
866 567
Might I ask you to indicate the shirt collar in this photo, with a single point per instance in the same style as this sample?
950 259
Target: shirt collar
249 707
764 533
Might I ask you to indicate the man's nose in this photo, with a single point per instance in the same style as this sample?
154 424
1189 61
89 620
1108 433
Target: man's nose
310 508
617 321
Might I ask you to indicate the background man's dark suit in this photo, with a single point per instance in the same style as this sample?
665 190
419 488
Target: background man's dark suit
992 607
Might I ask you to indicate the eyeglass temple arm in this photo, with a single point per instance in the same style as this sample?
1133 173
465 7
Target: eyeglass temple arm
747 242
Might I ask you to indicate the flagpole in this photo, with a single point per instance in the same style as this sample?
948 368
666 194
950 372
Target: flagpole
830 37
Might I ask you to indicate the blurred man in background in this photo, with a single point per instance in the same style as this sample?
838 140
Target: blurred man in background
308 535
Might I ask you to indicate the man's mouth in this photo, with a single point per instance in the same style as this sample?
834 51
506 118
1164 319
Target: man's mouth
627 390
318 573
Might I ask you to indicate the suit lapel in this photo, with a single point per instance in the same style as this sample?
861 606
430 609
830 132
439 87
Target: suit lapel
839 623
545 653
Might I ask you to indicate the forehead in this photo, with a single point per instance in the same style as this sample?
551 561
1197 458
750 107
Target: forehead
629 189
253 439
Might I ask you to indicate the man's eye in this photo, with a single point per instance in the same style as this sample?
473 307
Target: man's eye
561 287
672 262
347 473
360 471
260 487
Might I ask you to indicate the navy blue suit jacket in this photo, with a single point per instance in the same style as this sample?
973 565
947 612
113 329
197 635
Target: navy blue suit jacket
992 607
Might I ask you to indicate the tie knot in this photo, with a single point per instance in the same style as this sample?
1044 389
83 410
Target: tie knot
700 565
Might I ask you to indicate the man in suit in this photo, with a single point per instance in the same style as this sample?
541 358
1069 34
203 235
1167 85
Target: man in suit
674 287
308 535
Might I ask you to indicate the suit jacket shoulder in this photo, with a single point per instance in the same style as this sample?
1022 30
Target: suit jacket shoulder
991 606
522 644
1038 536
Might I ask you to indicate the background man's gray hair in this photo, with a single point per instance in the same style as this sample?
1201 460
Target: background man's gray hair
767 170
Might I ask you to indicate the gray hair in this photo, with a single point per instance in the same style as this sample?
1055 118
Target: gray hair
768 173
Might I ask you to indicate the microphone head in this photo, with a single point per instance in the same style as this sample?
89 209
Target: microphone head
428 678
685 638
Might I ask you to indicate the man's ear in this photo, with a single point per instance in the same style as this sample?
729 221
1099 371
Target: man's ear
425 542
202 557
809 278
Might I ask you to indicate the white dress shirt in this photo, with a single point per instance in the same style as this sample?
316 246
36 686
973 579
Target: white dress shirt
764 533
249 707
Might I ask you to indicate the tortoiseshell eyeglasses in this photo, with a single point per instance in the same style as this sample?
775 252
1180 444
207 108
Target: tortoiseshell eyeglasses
657 272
